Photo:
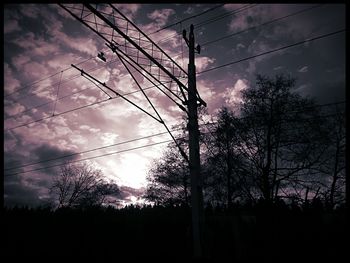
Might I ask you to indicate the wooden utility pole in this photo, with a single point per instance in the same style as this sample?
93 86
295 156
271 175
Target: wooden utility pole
194 160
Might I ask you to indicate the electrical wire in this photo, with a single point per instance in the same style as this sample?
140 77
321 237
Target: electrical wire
273 50
90 158
232 12
87 151
45 78
58 89
188 18
68 79
224 15
262 24
178 129
240 60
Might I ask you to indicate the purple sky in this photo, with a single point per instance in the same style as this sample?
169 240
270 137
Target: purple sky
42 40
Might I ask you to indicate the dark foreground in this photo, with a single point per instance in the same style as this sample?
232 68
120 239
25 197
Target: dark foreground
164 234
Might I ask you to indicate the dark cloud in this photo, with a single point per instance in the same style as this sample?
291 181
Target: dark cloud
40 153
47 151
26 188
17 194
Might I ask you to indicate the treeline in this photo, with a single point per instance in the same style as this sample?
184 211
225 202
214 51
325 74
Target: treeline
260 232
274 145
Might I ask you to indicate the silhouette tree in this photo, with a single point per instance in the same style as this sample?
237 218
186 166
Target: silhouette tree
333 165
168 179
276 148
281 137
81 186
223 166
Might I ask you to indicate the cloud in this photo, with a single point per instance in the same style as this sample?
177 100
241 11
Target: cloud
87 127
62 12
129 10
17 194
161 16
85 45
303 69
109 138
189 10
127 191
30 10
30 188
20 60
303 88
25 41
245 19
171 43
206 91
11 26
48 151
233 95
277 68
14 109
37 153
240 46
202 63
11 83
257 47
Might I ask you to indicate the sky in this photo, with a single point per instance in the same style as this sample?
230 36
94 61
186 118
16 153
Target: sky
47 111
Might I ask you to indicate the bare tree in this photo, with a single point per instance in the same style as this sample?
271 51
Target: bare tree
82 185
223 165
280 137
332 167
275 149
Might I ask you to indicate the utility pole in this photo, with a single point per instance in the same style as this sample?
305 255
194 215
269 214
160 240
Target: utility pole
194 160
140 52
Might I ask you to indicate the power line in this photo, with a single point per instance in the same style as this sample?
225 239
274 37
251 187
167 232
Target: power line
45 78
69 79
58 89
90 158
46 103
70 94
163 40
154 135
155 110
79 108
237 33
225 14
63 82
208 21
219 17
98 156
188 18
273 50
90 150
303 109
58 114
263 24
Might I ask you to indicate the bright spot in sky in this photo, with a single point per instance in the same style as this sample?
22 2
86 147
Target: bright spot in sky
132 166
